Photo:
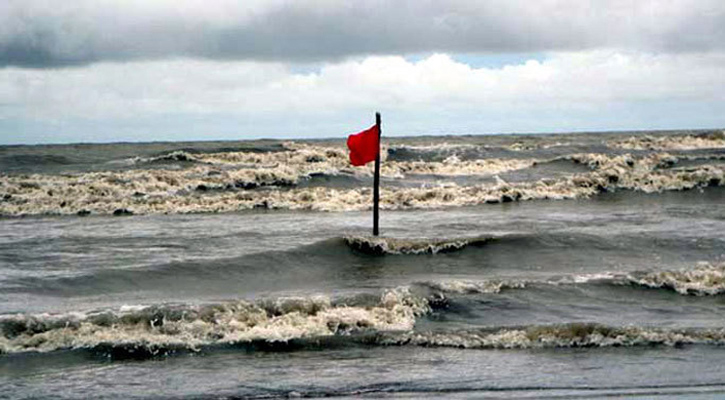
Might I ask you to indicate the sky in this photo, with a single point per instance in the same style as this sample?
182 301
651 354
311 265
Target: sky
161 70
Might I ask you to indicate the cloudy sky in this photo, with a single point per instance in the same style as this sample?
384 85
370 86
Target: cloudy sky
142 70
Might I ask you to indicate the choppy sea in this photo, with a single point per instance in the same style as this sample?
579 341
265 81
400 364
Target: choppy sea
508 266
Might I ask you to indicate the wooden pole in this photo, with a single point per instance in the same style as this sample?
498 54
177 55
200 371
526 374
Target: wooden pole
376 182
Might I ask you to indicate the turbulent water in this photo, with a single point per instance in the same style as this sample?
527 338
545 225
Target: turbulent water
508 267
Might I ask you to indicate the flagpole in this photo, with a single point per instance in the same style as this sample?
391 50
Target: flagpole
376 182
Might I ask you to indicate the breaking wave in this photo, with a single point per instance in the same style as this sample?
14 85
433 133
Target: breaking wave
174 156
710 140
380 245
386 319
446 149
473 287
154 332
158 329
234 181
704 279
558 336
454 166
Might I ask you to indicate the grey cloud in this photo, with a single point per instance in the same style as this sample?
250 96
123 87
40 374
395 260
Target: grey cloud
42 33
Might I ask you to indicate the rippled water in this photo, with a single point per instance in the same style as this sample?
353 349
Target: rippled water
509 266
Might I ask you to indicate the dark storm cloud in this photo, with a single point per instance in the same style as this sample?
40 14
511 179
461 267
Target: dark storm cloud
41 33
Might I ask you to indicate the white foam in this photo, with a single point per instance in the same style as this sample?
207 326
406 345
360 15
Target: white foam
704 279
453 166
385 245
191 327
197 189
560 336
681 142
436 147
471 287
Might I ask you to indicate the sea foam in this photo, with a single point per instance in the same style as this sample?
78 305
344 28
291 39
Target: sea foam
228 182
190 327
559 336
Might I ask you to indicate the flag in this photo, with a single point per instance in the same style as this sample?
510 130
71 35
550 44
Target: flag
364 146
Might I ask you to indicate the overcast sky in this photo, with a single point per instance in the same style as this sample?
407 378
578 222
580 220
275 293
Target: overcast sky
113 70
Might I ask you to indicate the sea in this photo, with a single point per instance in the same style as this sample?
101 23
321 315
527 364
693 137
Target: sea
507 266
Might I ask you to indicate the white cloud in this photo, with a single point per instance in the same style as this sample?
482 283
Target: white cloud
564 91
131 90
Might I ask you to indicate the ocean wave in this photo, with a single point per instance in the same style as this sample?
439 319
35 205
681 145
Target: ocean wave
174 156
558 336
530 146
444 147
704 279
204 188
155 329
710 140
389 317
381 245
306 158
453 286
454 166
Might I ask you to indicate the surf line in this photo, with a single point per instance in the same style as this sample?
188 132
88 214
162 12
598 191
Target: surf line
365 147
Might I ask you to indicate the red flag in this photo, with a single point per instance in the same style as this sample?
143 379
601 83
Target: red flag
364 146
